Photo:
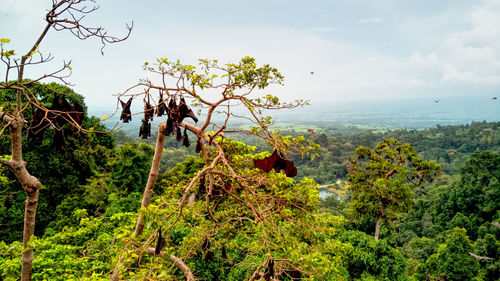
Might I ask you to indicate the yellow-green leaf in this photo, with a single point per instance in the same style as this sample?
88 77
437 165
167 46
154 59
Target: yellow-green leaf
4 40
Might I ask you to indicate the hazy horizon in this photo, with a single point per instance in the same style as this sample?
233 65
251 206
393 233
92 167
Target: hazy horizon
410 113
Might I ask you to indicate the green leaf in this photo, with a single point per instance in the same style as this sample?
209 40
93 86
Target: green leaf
4 40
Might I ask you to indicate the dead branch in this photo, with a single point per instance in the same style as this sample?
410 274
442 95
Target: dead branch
177 261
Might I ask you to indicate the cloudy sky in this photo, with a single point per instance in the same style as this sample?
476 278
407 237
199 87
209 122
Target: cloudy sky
370 49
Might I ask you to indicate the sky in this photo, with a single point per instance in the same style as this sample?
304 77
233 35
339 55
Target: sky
358 50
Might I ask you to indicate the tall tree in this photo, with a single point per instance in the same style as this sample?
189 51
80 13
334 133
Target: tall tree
382 180
62 15
60 170
222 92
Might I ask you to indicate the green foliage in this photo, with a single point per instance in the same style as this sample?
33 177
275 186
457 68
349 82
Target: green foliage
130 167
448 145
80 252
452 260
475 198
334 205
367 259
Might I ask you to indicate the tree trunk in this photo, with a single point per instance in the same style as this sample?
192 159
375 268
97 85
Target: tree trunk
379 222
31 186
153 173
31 204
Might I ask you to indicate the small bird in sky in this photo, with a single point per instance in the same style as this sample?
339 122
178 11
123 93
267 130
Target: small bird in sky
436 101
494 98
312 72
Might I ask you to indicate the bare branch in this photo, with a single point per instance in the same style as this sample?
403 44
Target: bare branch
177 261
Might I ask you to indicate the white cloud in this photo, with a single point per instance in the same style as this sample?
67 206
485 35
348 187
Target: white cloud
469 57
370 20
321 29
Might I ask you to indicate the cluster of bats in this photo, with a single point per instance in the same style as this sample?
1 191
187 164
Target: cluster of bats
176 113
57 115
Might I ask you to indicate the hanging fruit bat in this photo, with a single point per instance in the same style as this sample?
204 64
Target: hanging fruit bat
206 247
169 128
59 106
161 109
185 138
37 126
149 110
277 162
145 130
198 145
160 243
221 190
173 109
59 139
126 115
177 113
269 273
178 135
224 253
76 112
202 189
185 111
57 117
58 109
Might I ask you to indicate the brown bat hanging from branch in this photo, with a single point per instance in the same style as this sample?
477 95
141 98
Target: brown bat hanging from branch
176 114
126 115
277 162
184 111
161 109
149 110
160 243
58 115
145 130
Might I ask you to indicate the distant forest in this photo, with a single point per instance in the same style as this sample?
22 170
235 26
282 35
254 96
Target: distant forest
448 145
92 191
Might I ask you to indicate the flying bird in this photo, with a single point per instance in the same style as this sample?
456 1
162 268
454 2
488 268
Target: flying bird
436 101
494 98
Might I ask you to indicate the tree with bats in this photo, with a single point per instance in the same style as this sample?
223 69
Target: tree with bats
62 15
231 178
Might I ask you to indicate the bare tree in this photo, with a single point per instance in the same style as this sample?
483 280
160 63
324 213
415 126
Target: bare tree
63 15
222 93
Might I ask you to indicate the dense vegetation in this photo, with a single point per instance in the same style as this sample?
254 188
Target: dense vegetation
92 190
